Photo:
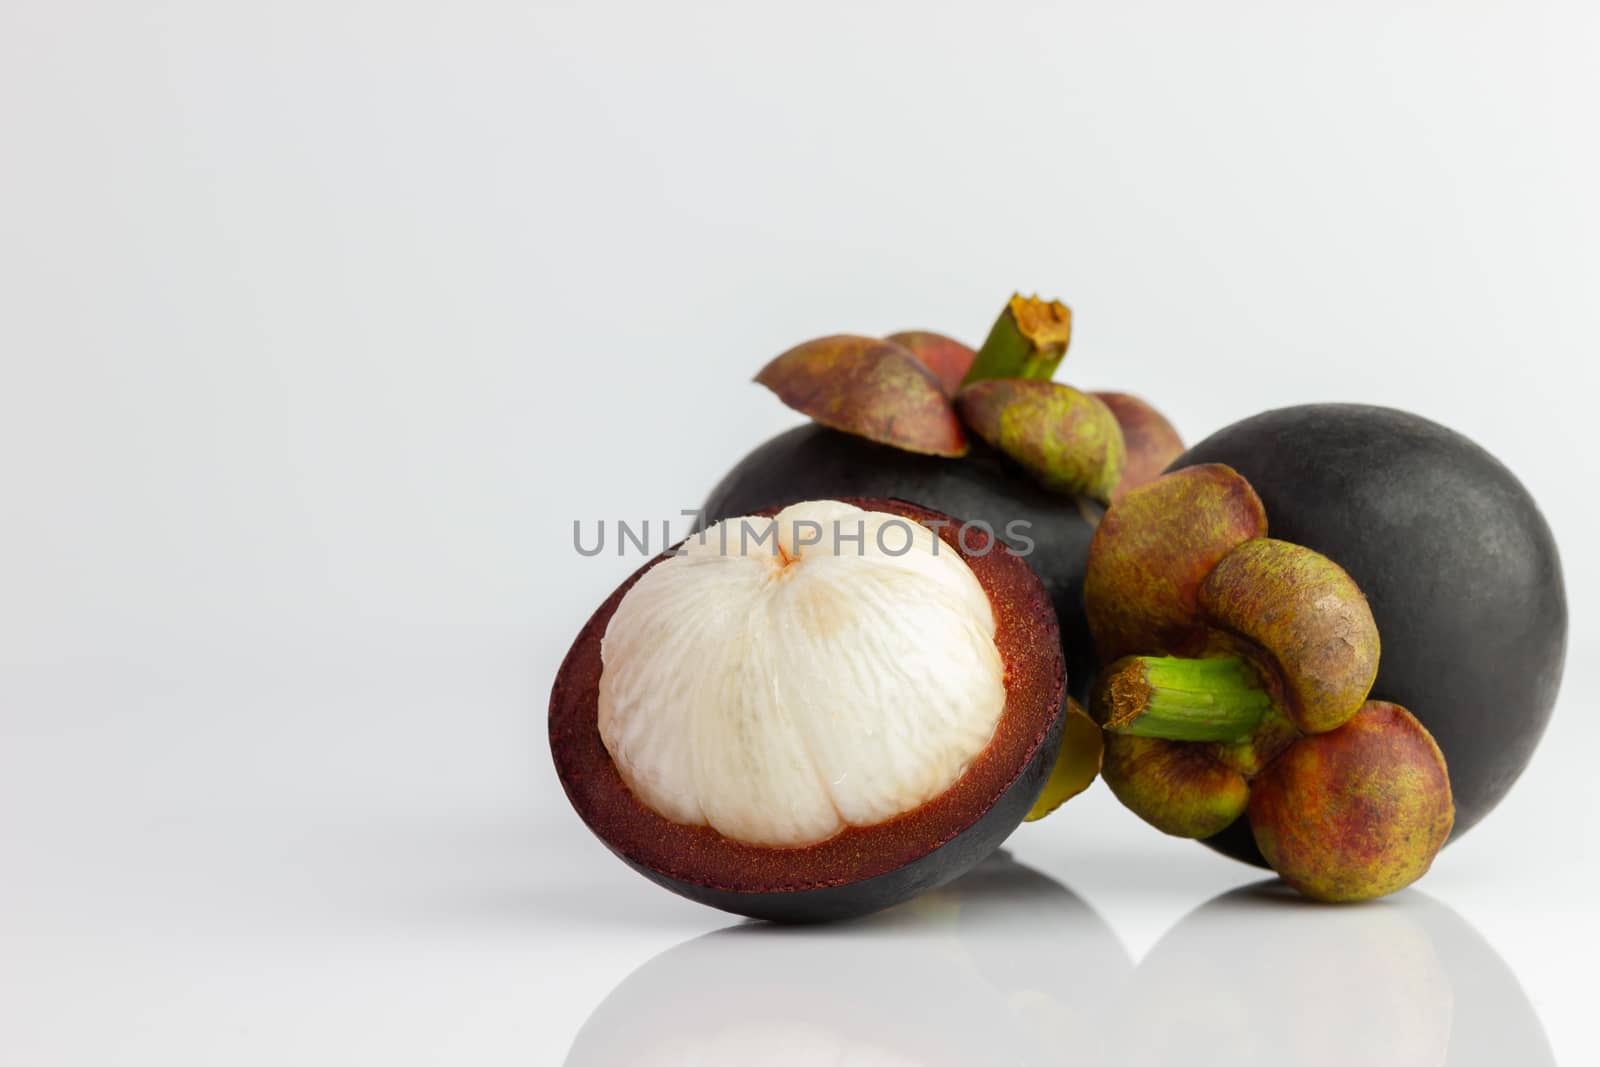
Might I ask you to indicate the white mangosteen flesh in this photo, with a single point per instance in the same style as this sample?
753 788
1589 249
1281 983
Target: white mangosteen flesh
785 678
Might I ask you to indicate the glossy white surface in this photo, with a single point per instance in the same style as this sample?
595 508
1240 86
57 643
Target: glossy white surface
321 323
182 891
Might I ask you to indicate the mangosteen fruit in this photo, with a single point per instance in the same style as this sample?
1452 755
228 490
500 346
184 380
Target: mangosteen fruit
815 712
983 435
1457 564
1239 669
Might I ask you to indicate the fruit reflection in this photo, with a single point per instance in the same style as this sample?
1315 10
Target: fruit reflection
1258 976
1004 965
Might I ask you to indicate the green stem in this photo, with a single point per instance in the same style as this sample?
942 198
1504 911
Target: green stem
1218 698
1027 341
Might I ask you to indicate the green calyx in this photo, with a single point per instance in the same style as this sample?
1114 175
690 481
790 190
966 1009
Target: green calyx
1067 440
1027 341
1346 798
1213 699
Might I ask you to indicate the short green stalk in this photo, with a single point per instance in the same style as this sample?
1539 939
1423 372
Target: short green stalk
1217 698
1027 341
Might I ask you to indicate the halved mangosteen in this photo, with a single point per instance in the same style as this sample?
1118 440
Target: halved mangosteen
814 713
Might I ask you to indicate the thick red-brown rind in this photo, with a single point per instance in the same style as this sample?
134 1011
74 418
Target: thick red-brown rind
861 869
1150 441
947 358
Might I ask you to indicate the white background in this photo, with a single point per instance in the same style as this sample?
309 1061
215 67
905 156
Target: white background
321 322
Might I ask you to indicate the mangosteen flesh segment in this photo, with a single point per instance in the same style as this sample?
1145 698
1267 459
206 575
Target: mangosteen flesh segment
780 683
806 717
1458 565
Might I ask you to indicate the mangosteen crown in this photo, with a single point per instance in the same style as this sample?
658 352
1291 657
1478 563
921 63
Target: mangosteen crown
923 392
